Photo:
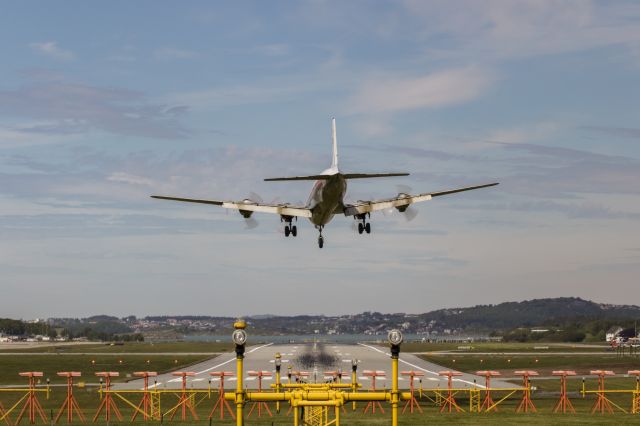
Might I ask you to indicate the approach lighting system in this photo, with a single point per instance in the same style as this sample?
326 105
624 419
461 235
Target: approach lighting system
239 337
278 361
395 337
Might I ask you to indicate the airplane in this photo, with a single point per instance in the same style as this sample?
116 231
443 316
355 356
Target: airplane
327 199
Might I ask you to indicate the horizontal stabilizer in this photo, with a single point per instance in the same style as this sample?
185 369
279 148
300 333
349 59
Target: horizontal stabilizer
371 175
344 175
312 177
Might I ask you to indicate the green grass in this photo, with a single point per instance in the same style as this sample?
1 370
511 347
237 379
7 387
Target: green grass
502 347
88 365
185 347
543 364
89 400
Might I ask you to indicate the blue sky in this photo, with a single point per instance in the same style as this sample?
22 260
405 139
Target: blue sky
102 105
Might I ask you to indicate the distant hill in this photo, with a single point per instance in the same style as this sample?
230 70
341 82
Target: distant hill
531 313
565 318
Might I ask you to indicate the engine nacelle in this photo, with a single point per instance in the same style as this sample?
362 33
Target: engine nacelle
245 213
404 208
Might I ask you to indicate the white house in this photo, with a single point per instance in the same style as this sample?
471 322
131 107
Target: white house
612 333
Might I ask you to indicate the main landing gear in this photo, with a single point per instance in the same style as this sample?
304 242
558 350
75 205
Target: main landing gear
320 239
363 226
289 228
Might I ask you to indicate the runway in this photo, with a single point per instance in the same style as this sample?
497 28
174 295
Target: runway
316 359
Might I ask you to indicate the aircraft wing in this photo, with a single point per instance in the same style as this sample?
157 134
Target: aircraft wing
401 200
247 206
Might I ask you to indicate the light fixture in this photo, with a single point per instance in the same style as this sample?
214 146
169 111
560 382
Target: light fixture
239 337
395 337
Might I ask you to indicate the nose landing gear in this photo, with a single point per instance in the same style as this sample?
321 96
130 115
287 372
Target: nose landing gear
320 238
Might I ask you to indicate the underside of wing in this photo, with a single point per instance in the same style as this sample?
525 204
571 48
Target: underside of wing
402 201
247 207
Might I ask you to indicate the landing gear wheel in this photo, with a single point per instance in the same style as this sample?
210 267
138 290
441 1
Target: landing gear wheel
320 242
287 231
294 231
360 228
367 228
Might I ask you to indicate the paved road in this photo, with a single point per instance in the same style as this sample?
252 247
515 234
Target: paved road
313 357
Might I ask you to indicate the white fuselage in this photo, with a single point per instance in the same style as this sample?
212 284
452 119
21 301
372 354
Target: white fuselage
326 196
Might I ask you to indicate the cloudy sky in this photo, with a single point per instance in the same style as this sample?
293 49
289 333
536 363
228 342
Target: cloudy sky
102 105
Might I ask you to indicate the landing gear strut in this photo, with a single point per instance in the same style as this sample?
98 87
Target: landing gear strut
363 226
289 228
320 239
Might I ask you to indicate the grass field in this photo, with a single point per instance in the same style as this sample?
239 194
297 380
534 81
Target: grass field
89 400
544 364
88 365
503 347
144 347
78 358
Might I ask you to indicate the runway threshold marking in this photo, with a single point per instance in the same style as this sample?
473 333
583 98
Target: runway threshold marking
214 367
418 367
232 359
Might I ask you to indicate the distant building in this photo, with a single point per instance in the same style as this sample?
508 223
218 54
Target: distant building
613 333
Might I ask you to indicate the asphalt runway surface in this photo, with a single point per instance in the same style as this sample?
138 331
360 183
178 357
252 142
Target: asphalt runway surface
316 359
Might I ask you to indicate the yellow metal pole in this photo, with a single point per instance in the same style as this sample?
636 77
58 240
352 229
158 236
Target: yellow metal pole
354 380
278 363
395 351
239 391
239 338
395 339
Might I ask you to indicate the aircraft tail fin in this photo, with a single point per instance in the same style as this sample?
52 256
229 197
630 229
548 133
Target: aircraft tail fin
334 161
334 166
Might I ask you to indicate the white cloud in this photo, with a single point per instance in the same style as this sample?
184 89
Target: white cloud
374 126
268 92
130 179
500 29
439 89
72 107
51 49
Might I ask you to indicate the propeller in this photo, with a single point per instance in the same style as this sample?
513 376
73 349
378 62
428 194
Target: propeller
249 221
410 212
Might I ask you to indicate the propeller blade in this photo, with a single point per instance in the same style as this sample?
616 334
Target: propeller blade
255 197
250 223
410 213
404 189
